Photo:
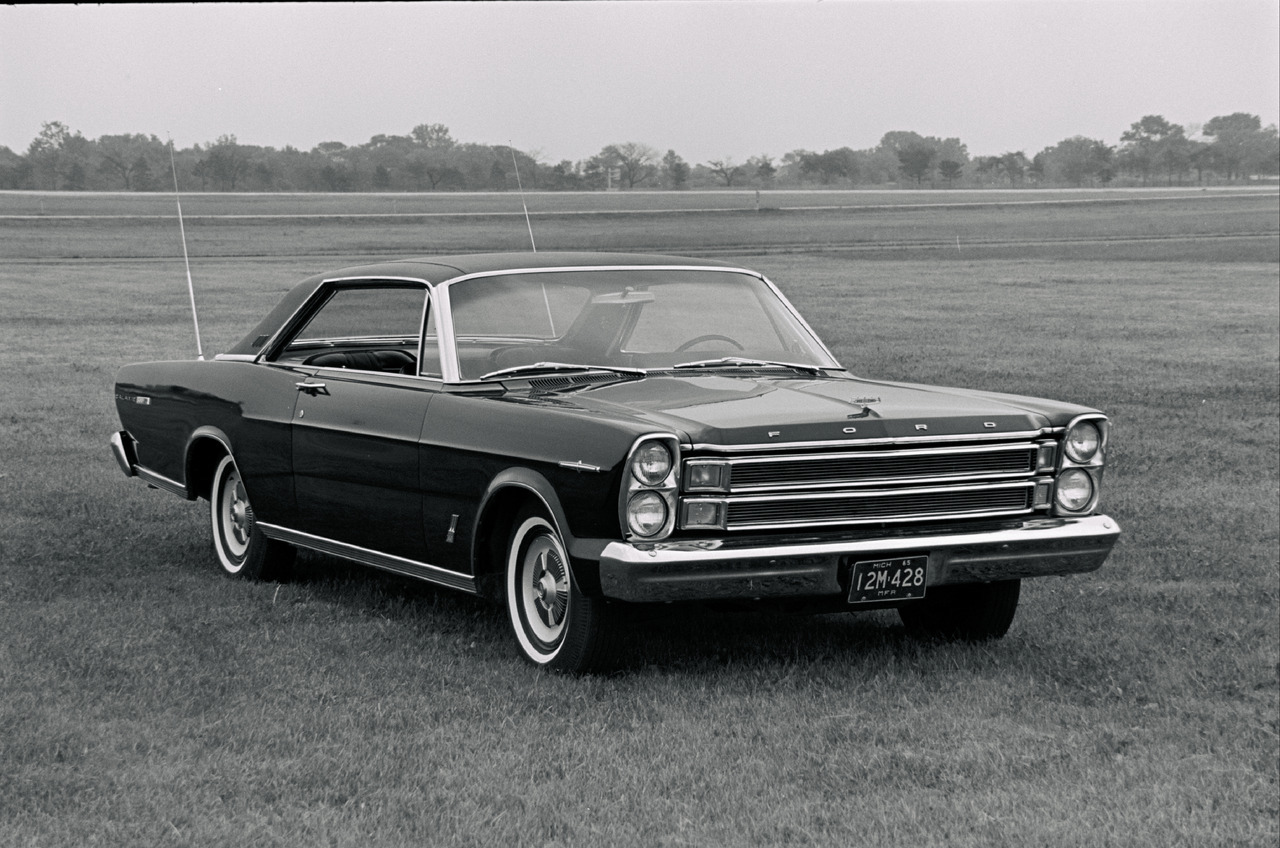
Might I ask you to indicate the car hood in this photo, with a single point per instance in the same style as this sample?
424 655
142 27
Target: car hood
753 410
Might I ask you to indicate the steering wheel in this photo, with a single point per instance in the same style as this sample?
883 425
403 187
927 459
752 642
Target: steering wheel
709 337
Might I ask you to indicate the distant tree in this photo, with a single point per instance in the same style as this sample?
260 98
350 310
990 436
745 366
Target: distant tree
594 173
263 176
1240 146
1077 161
124 157
382 177
916 161
54 152
762 169
15 170
1036 169
726 170
828 166
916 154
1150 145
675 171
985 167
635 163
335 178
227 162
435 136
564 176
950 171
498 175
1015 165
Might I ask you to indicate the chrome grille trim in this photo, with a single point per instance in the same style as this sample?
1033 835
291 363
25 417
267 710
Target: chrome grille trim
872 468
884 505
848 444
870 484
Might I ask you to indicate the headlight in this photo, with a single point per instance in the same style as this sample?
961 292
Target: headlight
1083 441
646 513
1074 490
651 464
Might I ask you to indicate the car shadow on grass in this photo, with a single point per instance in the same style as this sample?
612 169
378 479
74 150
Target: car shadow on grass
677 638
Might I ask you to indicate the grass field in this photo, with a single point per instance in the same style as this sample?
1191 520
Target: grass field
146 700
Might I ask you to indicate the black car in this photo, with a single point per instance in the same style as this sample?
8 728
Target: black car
570 432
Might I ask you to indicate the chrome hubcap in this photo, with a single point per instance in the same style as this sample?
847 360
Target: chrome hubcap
548 588
239 514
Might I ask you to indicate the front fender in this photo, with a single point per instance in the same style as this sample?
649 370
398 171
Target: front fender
504 495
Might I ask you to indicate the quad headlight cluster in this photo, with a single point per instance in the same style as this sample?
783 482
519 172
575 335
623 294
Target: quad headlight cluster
649 492
1076 487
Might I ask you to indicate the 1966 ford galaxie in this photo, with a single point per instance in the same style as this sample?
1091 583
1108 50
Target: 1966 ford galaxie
568 433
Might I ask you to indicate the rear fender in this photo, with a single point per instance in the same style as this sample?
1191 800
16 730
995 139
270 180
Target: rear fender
205 448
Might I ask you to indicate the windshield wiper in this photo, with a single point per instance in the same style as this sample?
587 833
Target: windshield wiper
743 362
552 367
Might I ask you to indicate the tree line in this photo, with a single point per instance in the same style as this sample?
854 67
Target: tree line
1153 151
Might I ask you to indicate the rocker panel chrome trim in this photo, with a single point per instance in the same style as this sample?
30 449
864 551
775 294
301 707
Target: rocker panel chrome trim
375 559
160 481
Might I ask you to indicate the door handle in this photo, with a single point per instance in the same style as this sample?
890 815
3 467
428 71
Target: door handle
312 389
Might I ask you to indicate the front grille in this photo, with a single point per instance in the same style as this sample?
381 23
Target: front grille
871 467
861 507
874 484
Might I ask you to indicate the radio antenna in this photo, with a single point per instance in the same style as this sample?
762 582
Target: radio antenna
191 289
520 185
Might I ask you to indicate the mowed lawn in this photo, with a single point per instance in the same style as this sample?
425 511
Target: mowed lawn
147 700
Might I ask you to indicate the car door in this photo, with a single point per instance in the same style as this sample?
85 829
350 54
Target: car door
359 416
355 459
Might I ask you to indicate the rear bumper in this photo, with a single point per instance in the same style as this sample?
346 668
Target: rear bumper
122 449
732 569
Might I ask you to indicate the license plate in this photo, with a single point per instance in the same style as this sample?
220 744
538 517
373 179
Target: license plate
897 579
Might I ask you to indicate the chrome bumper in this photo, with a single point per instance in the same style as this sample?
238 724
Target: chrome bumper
727 569
124 453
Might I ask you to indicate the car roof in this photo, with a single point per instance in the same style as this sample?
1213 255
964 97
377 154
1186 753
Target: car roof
437 269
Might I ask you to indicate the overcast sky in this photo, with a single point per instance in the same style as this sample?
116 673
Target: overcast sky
707 79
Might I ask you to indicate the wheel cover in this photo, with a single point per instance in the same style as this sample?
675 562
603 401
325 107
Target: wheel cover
235 518
544 582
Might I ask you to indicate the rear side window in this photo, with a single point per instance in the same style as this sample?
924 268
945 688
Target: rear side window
365 313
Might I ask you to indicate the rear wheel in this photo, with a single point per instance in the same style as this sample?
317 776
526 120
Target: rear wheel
241 547
970 612
555 624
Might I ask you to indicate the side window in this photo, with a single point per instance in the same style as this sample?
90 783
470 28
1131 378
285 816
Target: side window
363 328
365 313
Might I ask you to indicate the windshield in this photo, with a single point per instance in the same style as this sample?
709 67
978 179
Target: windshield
648 318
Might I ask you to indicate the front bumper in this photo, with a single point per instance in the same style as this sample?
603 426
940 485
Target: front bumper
750 569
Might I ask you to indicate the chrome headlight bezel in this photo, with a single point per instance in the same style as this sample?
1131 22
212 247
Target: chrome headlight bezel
651 463
651 471
647 501
1080 481
1083 441
1081 465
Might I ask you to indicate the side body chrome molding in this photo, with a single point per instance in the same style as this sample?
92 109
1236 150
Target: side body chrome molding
375 559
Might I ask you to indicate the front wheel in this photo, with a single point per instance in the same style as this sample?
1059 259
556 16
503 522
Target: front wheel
242 549
970 612
555 624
